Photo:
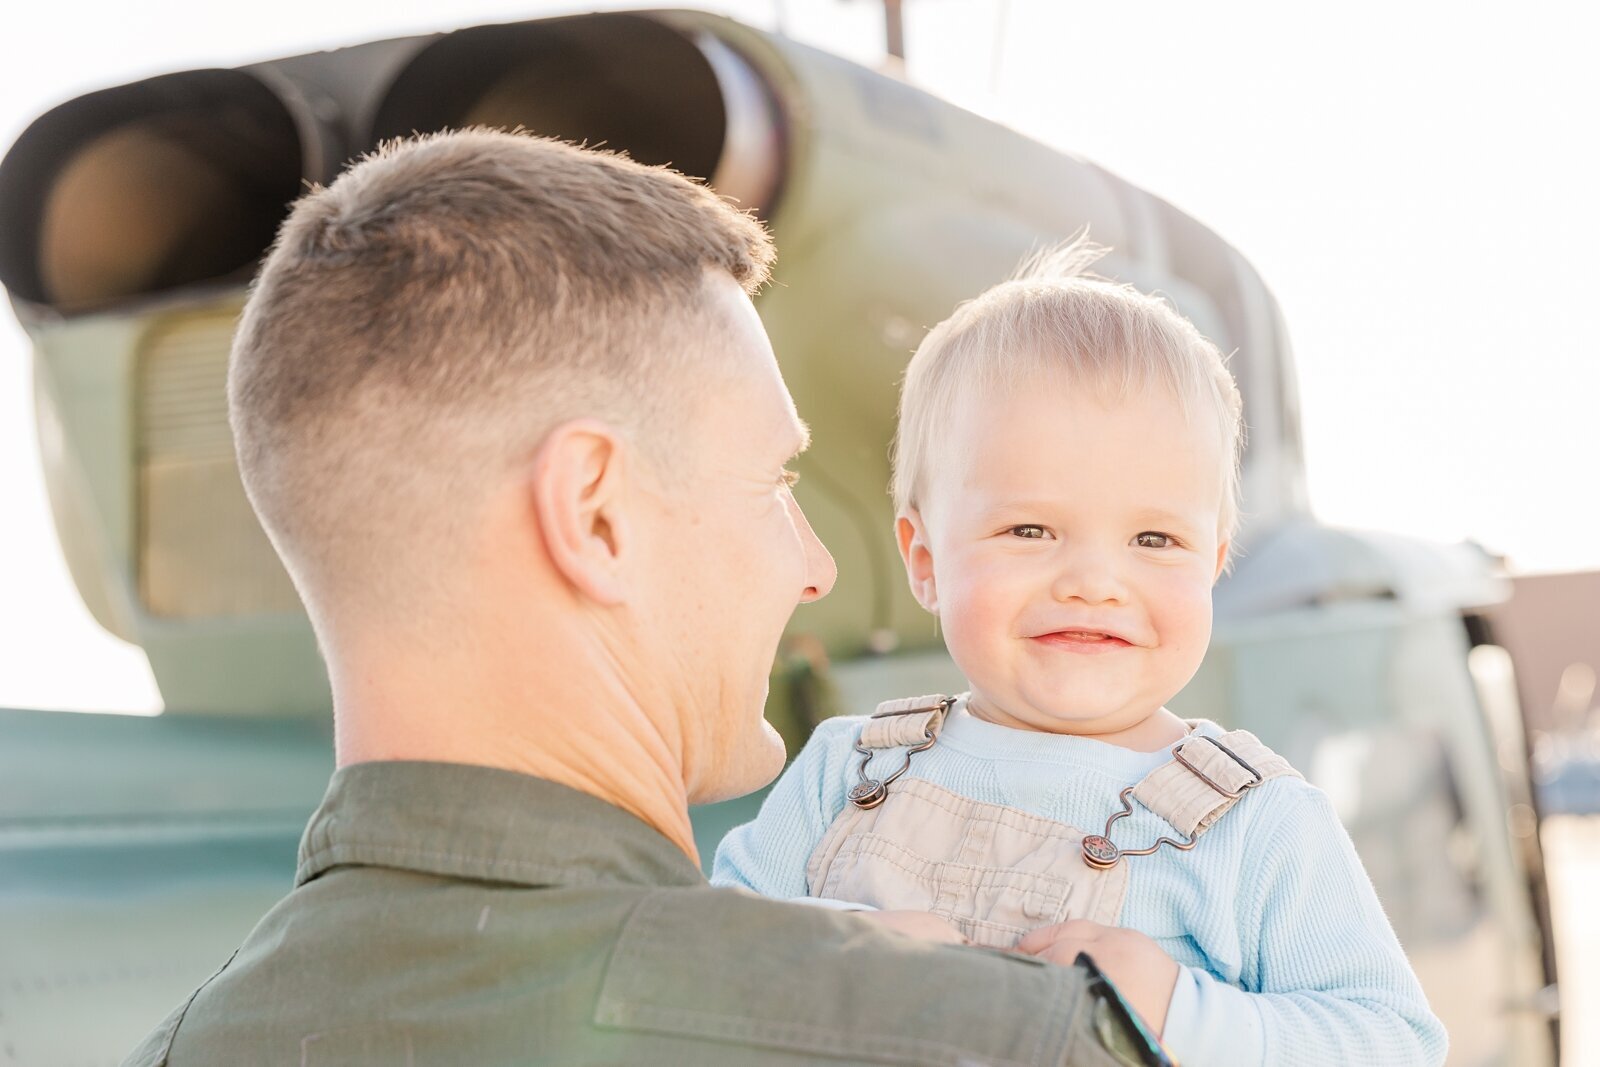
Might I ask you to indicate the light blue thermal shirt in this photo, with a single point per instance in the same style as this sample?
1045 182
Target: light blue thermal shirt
1286 958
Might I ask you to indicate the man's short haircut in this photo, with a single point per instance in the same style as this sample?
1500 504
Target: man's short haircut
1054 318
427 318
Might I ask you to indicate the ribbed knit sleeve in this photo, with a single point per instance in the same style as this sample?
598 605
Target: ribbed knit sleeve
1326 983
769 854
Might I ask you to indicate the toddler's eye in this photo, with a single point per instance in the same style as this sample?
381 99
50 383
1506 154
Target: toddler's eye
1030 532
1151 539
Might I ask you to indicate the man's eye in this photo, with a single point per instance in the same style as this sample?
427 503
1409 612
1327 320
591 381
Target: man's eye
788 478
1151 539
1031 532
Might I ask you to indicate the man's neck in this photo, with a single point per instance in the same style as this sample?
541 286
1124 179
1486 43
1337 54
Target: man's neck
579 726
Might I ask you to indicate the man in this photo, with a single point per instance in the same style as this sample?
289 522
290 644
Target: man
508 414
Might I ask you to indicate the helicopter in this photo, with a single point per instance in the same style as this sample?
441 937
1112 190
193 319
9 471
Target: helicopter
135 853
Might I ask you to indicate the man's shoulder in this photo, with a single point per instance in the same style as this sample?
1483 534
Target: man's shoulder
369 966
687 974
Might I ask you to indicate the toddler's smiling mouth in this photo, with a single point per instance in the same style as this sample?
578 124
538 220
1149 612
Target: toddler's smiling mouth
1084 640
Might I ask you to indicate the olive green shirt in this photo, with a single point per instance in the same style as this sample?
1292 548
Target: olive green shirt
447 914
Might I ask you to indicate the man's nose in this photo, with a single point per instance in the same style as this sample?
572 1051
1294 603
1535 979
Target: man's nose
820 568
1089 573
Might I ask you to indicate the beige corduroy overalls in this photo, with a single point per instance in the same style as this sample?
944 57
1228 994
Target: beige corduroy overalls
904 843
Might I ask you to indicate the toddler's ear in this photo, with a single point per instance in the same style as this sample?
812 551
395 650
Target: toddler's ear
913 540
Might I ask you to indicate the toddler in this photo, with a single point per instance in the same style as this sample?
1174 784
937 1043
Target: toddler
1066 484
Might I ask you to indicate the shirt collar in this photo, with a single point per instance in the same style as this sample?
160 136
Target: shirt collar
483 823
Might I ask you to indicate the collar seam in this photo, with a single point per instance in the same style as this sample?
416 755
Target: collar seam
1086 763
460 864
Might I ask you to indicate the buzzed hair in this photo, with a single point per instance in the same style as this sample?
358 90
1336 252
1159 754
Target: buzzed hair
1055 317
441 306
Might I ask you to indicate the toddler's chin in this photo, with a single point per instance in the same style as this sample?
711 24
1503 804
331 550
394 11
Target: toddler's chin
1054 717
1059 713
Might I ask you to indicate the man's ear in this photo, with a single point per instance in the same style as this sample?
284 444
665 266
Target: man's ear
576 485
912 536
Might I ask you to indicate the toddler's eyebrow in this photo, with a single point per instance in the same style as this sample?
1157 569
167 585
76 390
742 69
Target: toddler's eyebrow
1164 518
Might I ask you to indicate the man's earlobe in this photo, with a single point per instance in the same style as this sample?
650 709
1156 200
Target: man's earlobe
912 537
576 484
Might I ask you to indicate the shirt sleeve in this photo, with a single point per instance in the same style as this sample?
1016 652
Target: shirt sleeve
769 854
1330 984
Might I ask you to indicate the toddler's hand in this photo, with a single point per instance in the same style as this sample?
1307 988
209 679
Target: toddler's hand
919 924
1141 971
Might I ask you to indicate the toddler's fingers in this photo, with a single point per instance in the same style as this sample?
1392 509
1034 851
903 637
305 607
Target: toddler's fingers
1064 951
1037 940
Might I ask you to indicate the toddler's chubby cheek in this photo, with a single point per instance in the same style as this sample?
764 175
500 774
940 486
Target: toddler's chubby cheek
1186 605
980 638
963 604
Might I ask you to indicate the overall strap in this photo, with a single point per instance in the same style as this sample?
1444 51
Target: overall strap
906 722
1206 776
912 724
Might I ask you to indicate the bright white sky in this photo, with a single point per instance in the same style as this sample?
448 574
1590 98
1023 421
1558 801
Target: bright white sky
1417 183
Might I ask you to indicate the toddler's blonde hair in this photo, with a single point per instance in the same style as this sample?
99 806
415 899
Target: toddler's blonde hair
1054 317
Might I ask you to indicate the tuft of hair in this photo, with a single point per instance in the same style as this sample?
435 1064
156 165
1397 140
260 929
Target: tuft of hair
1055 317
431 314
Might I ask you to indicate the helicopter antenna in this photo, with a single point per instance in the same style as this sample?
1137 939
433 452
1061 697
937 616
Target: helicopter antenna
894 29
894 33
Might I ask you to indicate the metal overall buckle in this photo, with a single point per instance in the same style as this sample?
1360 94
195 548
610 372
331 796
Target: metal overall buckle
870 792
1102 855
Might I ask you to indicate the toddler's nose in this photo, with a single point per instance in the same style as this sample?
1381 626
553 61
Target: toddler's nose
1088 576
